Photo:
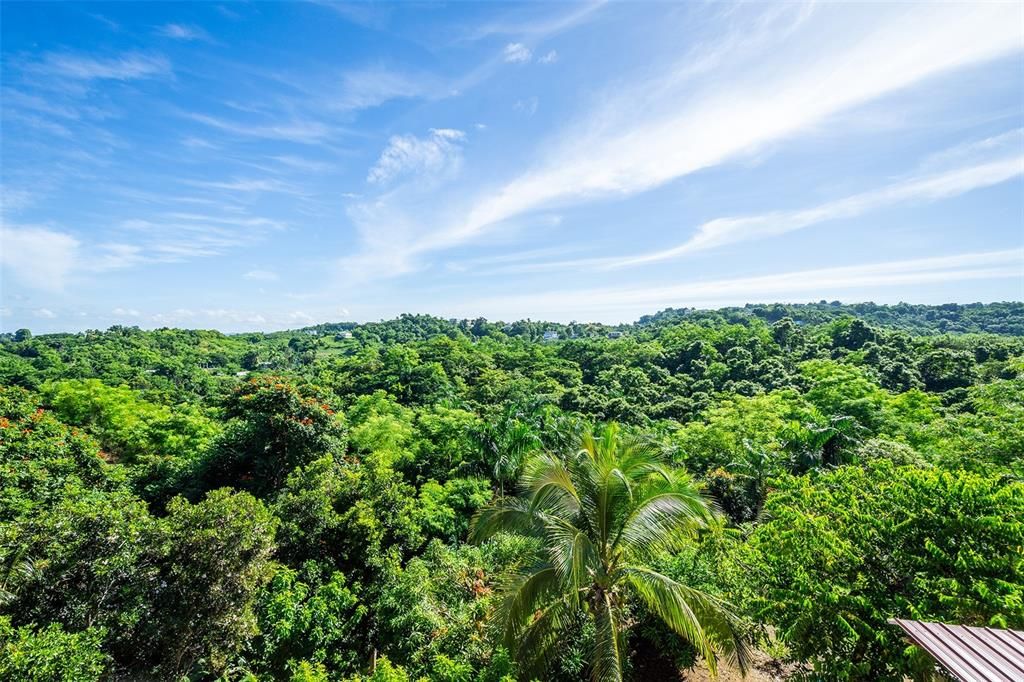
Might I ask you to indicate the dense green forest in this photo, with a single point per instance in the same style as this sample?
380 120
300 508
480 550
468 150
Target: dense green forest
463 500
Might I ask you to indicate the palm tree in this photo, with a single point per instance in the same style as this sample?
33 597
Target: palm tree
601 515
813 445
755 469
508 443
14 565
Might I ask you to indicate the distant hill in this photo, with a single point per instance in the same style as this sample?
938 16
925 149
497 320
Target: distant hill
948 318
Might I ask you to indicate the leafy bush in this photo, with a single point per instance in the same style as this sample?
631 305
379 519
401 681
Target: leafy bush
50 654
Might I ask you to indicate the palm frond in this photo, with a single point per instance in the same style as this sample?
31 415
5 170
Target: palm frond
511 515
703 620
525 594
550 486
517 444
572 554
636 456
663 520
538 643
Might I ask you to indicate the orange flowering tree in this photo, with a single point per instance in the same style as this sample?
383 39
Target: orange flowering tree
41 458
275 426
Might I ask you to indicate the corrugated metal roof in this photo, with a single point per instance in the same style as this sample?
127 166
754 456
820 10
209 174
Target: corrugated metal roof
970 654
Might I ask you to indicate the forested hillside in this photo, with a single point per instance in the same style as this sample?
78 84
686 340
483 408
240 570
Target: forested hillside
464 500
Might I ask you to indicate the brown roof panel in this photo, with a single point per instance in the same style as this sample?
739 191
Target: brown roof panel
970 654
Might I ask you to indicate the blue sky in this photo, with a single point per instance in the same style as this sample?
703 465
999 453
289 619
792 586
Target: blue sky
262 166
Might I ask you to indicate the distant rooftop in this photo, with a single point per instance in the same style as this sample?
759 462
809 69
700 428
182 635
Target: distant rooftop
970 654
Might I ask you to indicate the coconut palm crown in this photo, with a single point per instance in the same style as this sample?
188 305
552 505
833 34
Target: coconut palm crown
601 516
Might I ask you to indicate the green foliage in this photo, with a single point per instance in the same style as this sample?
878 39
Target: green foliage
218 558
161 443
600 516
384 671
42 459
438 606
997 318
444 511
310 616
445 447
275 427
727 432
305 671
381 425
944 369
96 562
348 514
50 654
128 426
867 458
988 435
843 552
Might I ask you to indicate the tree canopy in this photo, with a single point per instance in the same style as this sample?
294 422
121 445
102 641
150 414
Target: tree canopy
478 501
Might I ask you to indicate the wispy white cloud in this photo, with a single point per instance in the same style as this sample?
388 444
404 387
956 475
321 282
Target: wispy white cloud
262 275
228 13
548 58
301 317
527 105
723 231
538 27
13 200
230 315
193 142
36 122
244 319
528 31
368 14
653 150
303 164
858 280
240 318
47 258
502 259
176 237
109 23
303 130
44 313
124 67
248 185
13 97
439 151
975 151
517 53
374 85
664 127
183 32
116 256
125 312
201 221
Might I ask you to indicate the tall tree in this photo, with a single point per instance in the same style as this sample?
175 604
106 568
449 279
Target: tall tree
507 443
601 515
275 426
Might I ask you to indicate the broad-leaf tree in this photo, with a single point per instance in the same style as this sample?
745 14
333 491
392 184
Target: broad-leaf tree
841 553
275 427
601 515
